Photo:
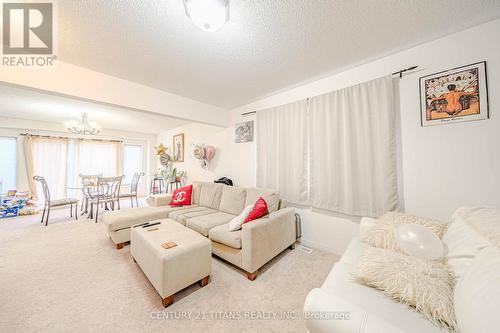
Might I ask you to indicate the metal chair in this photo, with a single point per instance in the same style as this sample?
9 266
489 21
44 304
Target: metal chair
88 187
55 203
108 191
133 189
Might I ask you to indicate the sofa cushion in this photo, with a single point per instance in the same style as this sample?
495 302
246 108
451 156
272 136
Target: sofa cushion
463 243
125 218
484 220
196 192
156 200
221 234
181 216
477 294
232 200
340 282
203 223
353 251
271 197
210 195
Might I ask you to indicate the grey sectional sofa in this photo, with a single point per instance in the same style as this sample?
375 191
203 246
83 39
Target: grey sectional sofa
213 206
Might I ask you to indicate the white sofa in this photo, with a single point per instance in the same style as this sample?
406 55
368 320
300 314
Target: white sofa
474 260
213 206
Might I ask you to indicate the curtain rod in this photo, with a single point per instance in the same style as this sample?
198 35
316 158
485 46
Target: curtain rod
400 73
65 137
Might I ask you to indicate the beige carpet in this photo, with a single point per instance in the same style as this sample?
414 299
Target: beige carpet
68 277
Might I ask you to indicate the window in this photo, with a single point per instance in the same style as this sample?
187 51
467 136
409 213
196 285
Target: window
95 157
8 159
132 161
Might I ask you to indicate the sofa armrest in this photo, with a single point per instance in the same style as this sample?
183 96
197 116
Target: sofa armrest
325 313
264 238
157 200
365 224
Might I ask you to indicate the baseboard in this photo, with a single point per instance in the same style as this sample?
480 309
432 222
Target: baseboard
317 246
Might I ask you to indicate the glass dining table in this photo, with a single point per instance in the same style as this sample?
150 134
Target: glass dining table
80 189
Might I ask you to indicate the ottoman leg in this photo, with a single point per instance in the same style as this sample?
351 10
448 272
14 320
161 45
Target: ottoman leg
204 281
167 300
119 246
252 276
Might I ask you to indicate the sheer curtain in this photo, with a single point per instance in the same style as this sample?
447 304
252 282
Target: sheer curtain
48 159
95 157
28 144
61 160
282 150
352 149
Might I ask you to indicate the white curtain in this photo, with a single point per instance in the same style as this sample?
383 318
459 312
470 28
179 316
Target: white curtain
61 160
48 159
352 149
95 157
28 144
282 150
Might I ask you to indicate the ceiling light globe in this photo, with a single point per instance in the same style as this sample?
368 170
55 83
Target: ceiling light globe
208 15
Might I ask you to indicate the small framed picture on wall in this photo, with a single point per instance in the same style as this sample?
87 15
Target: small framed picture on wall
455 95
243 132
178 147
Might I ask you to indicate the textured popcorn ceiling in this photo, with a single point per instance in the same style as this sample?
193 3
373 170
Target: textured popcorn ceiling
267 46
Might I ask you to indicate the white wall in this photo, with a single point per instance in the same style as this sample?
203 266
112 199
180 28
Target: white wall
12 127
228 162
443 167
193 133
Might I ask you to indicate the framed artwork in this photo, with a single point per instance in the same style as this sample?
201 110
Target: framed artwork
178 147
456 95
243 132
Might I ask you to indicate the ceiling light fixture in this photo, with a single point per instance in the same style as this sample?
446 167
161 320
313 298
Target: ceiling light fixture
208 15
84 127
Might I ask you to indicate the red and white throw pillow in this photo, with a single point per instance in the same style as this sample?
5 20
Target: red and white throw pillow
182 196
259 210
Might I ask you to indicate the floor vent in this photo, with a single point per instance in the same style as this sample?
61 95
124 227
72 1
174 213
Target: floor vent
305 249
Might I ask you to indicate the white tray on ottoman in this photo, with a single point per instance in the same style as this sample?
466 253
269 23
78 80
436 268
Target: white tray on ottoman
171 270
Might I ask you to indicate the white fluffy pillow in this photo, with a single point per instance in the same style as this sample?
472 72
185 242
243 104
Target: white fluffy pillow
425 285
382 234
237 222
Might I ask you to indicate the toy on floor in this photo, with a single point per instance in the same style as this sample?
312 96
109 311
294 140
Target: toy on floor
20 204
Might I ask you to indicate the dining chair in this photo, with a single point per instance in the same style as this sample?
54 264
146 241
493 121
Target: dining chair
88 186
133 189
55 203
107 191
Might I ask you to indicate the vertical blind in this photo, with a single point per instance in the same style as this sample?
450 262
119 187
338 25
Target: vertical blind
335 151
